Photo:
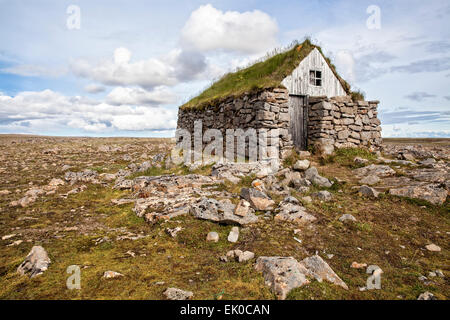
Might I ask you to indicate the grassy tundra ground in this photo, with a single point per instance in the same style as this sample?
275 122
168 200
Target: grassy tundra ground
88 230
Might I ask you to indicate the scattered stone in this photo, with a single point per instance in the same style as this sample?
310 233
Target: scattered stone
307 199
430 162
56 183
108 177
301 165
234 235
239 255
356 265
426 296
431 193
15 243
282 274
439 273
323 195
291 211
304 154
220 211
212 237
313 175
368 191
320 270
83 176
359 160
347 217
375 170
35 263
65 167
257 199
9 236
370 180
242 208
178 294
4 192
433 248
112 275
174 231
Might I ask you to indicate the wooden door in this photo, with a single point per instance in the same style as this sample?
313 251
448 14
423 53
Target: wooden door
298 113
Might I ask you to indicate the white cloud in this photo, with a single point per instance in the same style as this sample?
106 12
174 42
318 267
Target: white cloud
168 70
211 29
30 70
94 88
45 110
139 96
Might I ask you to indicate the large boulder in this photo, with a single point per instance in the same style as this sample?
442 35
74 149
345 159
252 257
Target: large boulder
431 193
282 274
35 263
320 270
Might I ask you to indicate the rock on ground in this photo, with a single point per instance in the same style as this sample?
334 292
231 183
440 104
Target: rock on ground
35 263
431 193
313 175
112 275
220 211
212 237
323 195
178 294
257 199
347 217
320 270
368 191
433 248
370 180
281 274
290 210
240 256
301 165
234 235
374 170
427 296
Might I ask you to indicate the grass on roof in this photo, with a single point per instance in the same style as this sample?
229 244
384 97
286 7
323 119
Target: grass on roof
262 75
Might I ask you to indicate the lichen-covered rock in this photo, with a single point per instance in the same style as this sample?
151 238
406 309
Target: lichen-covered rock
313 175
291 211
220 211
36 262
177 294
320 270
257 199
431 193
282 274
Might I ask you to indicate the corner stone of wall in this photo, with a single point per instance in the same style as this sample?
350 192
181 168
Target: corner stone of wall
343 124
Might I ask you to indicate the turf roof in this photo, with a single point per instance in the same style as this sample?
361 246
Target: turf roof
261 75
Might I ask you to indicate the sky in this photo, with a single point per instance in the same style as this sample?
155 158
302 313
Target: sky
122 68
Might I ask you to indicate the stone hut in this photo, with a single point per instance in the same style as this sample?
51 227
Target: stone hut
298 92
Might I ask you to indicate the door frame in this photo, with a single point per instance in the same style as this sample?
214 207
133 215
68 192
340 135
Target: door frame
304 118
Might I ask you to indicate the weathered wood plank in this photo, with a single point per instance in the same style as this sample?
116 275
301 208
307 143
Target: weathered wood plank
298 82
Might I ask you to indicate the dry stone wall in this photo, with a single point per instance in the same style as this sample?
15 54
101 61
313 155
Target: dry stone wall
341 123
263 111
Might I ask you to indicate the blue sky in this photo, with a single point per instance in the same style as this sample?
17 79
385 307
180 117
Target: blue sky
130 64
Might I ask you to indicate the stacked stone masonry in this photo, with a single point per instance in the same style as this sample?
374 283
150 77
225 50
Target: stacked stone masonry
263 111
342 123
332 121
